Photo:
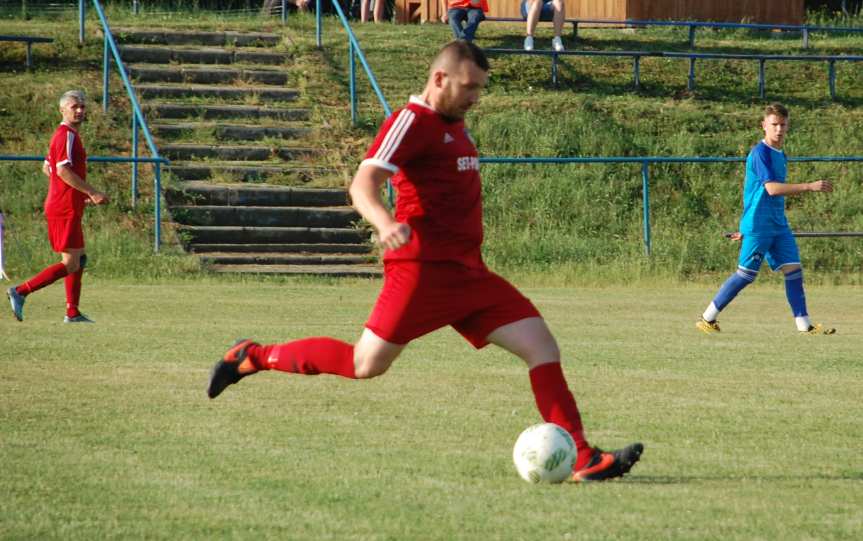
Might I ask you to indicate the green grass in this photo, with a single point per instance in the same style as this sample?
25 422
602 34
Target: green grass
107 433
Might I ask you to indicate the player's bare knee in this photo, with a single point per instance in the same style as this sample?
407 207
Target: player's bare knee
370 367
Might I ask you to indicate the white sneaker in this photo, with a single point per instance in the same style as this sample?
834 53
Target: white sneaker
556 44
528 43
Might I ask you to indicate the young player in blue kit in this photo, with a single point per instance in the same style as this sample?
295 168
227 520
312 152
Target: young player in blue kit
764 230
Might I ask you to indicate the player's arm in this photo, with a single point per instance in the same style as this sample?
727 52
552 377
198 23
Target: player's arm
72 179
46 169
365 193
782 188
444 8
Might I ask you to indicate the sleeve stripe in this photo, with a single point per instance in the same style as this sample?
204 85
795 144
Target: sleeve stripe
395 135
70 139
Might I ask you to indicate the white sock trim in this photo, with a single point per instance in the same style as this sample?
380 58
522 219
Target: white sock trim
711 313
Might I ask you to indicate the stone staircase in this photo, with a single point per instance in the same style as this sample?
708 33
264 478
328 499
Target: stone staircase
221 109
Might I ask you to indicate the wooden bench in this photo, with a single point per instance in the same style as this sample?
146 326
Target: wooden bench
29 40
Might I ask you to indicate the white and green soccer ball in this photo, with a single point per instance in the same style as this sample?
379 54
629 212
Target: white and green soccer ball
544 453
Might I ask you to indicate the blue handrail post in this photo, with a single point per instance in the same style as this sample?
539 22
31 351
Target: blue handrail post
645 191
136 7
135 156
352 68
831 78
691 36
805 37
636 76
284 11
318 25
690 83
554 69
82 11
157 207
106 65
574 30
761 82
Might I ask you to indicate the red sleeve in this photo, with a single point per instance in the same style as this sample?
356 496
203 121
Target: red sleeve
396 143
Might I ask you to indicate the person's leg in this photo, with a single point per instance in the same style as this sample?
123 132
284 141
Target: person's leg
371 356
474 17
74 261
379 10
752 251
559 16
533 9
531 340
364 11
456 19
785 256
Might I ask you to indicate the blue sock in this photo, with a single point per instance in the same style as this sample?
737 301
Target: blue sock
734 285
795 294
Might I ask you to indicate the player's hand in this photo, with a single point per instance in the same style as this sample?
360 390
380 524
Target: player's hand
394 235
444 18
98 198
736 236
821 186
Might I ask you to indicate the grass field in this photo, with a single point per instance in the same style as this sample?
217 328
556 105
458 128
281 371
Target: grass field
107 432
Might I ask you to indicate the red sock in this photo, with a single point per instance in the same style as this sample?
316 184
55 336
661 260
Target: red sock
48 276
557 405
73 292
310 356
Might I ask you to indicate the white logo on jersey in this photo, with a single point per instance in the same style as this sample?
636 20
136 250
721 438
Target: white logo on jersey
468 163
447 138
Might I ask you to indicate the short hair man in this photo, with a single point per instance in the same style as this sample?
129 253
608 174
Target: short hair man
535 10
764 229
68 192
434 274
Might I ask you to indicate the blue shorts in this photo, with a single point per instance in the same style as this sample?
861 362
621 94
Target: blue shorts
546 13
780 250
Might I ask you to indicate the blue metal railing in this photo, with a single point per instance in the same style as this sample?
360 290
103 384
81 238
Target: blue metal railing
139 122
690 84
645 162
804 29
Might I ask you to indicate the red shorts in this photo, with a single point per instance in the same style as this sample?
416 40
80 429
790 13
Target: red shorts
65 234
418 298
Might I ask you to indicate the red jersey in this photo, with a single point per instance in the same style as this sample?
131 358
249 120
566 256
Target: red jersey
468 4
64 201
436 174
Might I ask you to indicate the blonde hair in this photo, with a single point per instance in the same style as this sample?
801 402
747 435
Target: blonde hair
77 95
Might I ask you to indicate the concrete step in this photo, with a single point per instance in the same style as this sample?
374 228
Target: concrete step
263 235
190 151
281 248
228 132
155 54
333 271
204 193
245 172
215 215
193 37
210 75
267 93
207 112
251 258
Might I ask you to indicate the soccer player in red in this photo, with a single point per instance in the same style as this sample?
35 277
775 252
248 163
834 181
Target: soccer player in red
434 274
68 192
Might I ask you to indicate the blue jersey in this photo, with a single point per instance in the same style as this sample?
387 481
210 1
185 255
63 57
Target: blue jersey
763 214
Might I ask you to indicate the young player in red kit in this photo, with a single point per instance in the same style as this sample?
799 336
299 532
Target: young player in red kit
68 192
433 271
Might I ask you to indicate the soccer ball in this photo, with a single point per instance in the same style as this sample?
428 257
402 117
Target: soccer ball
544 453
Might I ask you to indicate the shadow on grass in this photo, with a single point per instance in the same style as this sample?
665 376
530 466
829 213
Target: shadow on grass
687 479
